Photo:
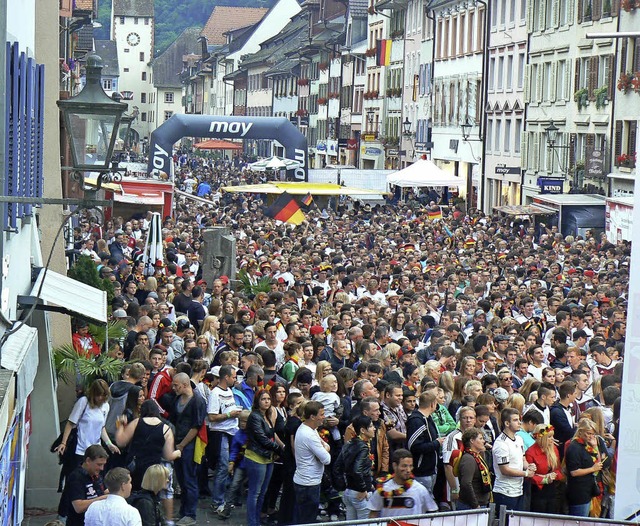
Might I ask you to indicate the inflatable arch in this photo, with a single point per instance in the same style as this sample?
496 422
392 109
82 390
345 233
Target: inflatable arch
227 127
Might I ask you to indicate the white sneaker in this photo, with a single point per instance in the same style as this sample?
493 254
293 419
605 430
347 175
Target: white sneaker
186 521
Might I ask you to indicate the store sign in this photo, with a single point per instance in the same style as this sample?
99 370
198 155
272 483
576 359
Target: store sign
369 137
342 143
321 147
508 170
594 165
550 186
373 151
352 144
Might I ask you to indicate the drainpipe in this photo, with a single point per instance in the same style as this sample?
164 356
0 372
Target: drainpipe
3 111
433 74
612 107
485 90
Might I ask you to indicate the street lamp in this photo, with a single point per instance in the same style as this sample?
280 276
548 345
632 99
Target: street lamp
466 129
92 120
406 127
552 135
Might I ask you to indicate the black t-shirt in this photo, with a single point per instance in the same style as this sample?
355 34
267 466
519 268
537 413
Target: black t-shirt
181 303
191 416
81 486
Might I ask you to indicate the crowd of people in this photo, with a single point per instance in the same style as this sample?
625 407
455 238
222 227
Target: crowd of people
374 362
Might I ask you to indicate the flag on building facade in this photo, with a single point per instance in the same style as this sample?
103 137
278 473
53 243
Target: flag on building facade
383 52
285 209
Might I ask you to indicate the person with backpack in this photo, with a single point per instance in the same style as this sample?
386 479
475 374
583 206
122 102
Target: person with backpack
353 468
147 499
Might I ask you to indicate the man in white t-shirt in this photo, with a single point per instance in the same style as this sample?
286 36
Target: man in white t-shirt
510 465
223 425
312 455
411 497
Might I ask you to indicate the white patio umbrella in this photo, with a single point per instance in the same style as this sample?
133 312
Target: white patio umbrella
274 163
153 247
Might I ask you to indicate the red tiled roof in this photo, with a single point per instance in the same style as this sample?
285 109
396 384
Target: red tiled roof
226 18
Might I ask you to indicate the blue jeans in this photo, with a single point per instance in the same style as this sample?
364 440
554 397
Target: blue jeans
221 473
356 509
234 491
428 481
186 471
307 502
580 510
259 476
512 503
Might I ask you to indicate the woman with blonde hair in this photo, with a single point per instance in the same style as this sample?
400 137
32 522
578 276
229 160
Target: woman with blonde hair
208 353
468 368
432 370
210 327
585 458
596 415
147 501
515 401
545 455
323 368
446 383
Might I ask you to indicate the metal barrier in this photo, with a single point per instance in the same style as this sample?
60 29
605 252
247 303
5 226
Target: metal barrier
523 518
480 517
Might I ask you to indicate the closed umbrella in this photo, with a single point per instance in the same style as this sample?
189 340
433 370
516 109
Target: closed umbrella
153 247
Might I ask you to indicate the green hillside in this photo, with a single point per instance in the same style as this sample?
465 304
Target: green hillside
173 17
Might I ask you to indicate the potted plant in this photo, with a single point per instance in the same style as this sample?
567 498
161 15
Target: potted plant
626 160
629 5
323 66
322 100
581 97
635 82
624 82
601 95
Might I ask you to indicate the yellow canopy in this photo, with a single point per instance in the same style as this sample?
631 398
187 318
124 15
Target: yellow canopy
92 180
301 189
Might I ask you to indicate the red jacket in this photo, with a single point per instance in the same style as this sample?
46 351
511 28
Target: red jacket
85 345
160 386
536 456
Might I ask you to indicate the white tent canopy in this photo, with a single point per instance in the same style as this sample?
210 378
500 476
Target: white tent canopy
423 173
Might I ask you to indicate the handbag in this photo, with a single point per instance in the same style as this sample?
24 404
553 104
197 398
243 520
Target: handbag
72 440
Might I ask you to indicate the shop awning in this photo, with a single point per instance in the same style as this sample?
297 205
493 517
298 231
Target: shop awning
20 355
63 294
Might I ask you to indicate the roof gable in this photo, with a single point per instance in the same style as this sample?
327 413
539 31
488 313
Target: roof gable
168 65
133 7
227 18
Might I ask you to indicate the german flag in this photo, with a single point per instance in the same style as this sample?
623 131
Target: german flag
307 200
435 214
383 52
285 209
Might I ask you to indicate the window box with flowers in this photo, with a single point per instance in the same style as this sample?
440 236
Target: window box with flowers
334 95
625 82
371 52
302 112
602 97
581 97
323 66
630 5
322 100
626 160
303 82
